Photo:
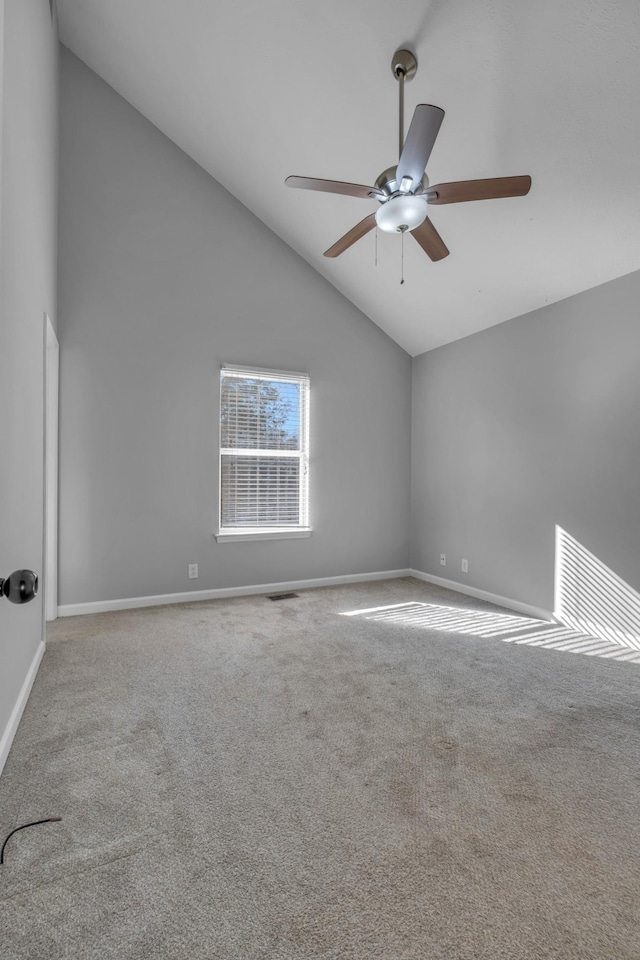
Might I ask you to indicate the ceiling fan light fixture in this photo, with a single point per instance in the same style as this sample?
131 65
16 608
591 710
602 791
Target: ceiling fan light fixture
401 211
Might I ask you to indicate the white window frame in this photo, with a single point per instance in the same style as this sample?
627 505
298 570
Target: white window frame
246 533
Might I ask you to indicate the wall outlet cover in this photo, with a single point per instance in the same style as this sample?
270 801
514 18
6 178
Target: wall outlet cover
443 559
465 566
193 571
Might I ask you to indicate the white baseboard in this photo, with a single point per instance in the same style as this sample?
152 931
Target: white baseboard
11 727
130 603
192 596
525 608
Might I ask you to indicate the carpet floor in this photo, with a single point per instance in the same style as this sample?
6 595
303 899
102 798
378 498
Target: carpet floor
246 779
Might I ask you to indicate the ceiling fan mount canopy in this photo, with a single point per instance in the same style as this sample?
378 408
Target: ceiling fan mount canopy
403 191
404 65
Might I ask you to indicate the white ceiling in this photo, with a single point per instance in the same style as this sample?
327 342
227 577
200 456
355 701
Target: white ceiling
255 91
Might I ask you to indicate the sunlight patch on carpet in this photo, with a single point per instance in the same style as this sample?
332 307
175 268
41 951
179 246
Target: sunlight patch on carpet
487 624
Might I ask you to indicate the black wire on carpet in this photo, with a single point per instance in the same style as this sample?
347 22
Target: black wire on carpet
35 823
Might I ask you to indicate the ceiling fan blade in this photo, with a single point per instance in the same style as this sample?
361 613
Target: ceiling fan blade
430 240
354 234
335 186
478 189
419 142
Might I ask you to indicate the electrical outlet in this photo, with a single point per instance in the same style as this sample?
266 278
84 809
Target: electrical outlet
443 559
193 571
465 566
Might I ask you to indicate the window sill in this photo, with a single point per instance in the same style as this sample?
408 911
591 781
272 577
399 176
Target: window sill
252 534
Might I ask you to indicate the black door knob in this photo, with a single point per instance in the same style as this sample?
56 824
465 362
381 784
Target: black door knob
20 586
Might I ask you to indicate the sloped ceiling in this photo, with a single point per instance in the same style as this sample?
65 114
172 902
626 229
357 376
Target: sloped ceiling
255 91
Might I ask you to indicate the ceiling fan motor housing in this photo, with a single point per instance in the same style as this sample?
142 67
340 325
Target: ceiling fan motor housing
389 185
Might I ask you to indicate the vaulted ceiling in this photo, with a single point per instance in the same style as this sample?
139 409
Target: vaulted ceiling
255 91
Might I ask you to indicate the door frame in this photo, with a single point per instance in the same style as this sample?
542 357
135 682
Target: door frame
51 410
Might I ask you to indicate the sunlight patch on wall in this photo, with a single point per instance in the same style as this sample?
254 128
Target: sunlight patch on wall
591 598
486 624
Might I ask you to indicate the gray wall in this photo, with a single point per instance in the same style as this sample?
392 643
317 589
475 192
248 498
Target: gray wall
528 424
27 289
162 277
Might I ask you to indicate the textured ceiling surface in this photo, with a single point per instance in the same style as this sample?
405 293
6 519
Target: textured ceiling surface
256 91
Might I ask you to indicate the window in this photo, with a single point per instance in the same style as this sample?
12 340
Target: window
264 430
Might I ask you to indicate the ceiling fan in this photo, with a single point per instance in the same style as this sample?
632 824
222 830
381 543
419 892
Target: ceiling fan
403 192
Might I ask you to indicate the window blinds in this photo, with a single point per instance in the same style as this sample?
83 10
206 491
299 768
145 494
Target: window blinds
263 449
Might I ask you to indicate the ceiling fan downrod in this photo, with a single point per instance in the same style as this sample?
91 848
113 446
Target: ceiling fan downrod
400 112
403 66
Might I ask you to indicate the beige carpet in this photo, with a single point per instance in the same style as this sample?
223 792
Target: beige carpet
277 781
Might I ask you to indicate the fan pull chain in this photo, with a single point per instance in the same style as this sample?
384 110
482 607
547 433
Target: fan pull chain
402 232
376 245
